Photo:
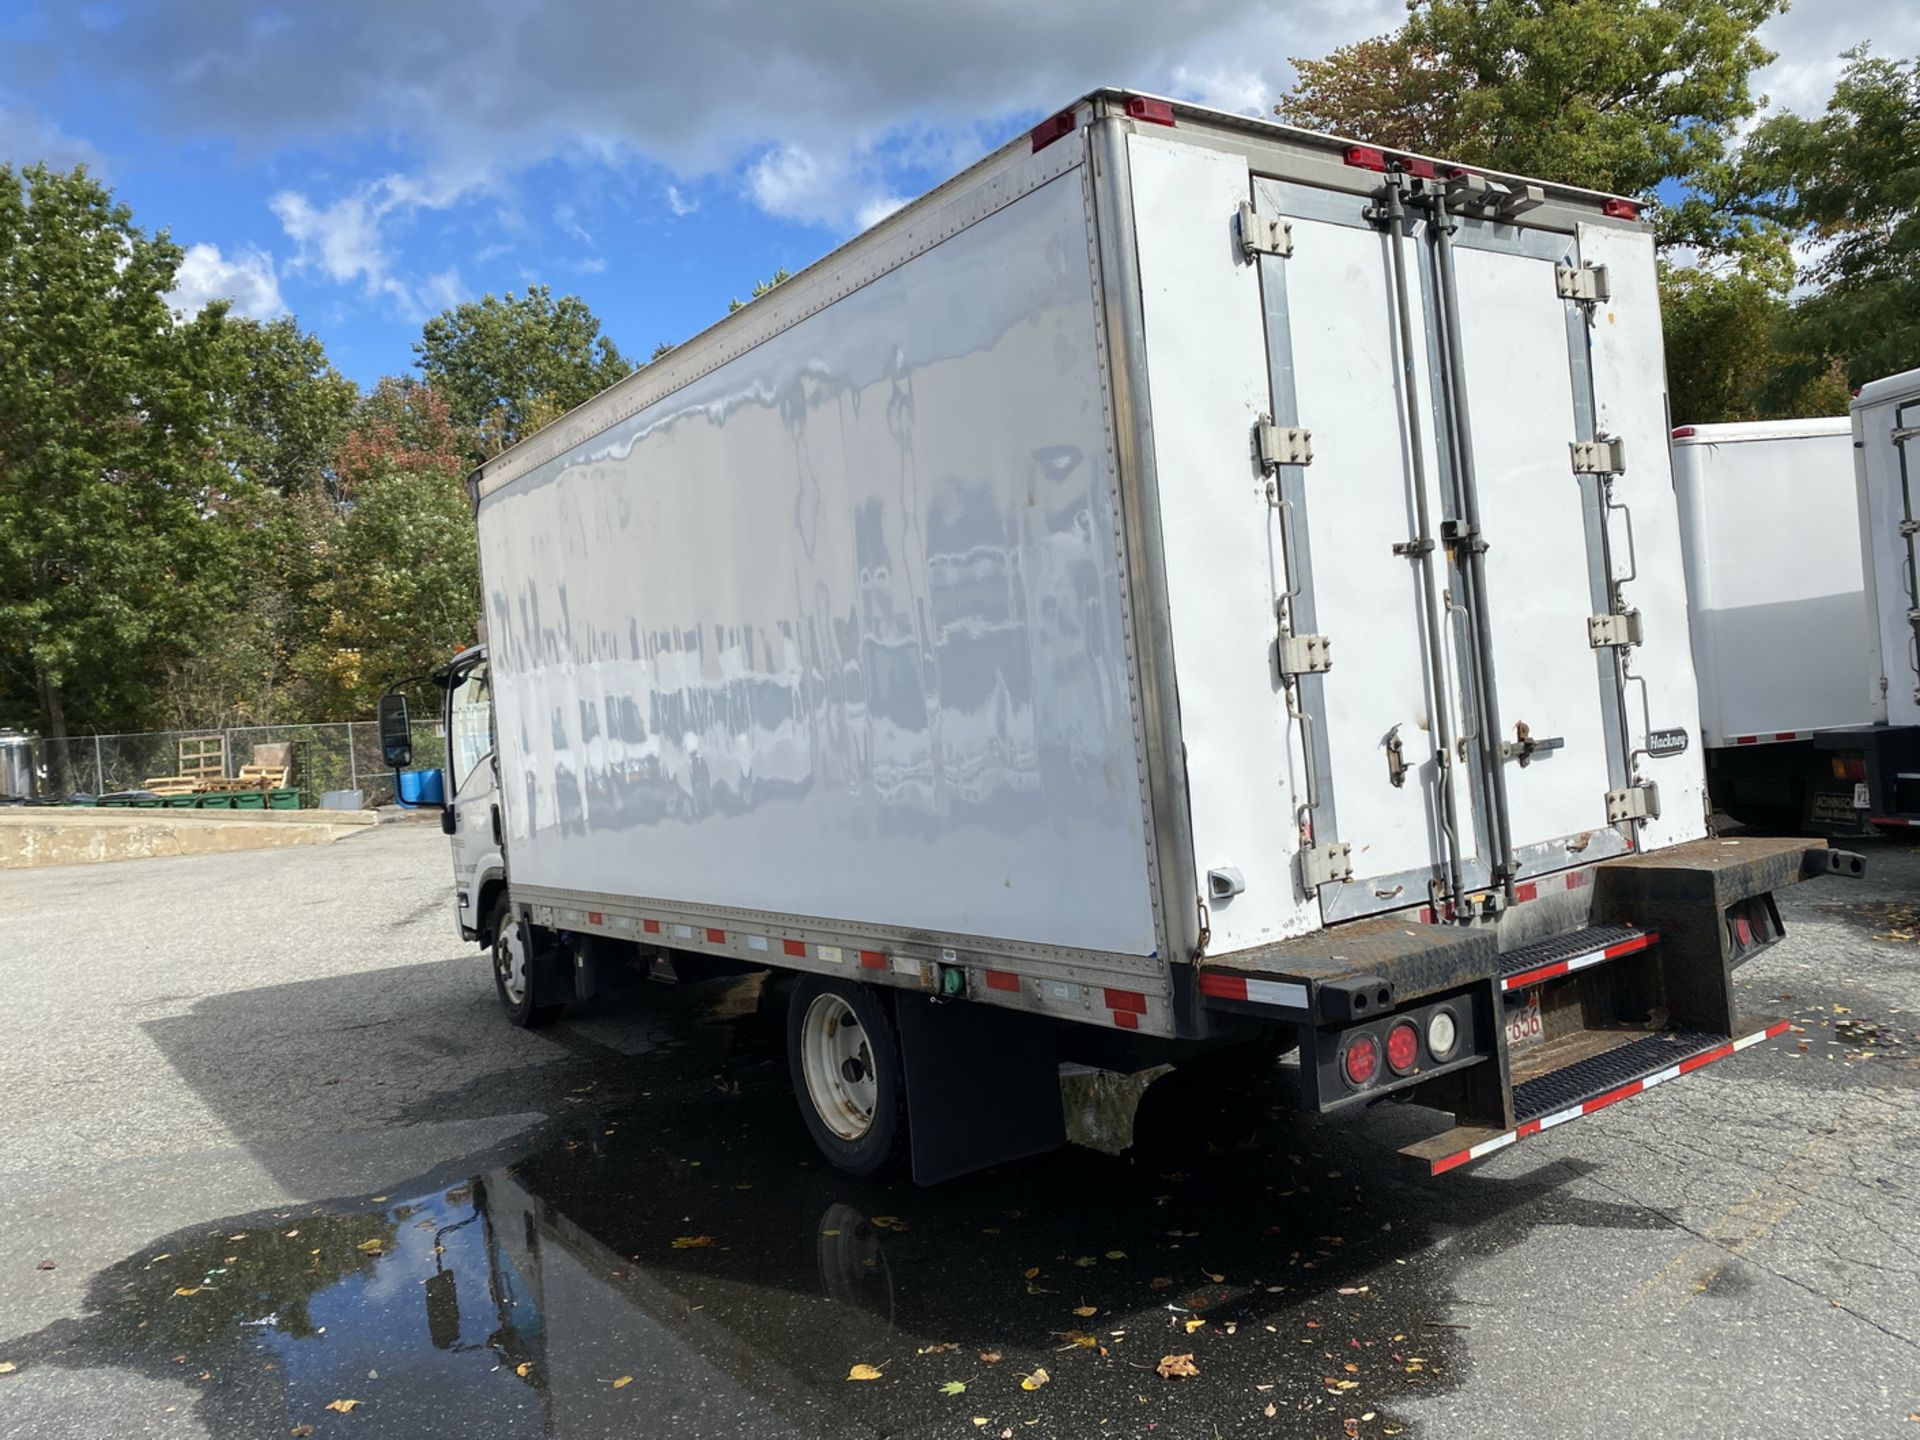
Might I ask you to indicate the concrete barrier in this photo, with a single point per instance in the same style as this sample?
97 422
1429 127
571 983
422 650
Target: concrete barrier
43 835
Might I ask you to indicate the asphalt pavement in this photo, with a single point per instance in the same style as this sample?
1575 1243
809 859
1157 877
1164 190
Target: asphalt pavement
272 1163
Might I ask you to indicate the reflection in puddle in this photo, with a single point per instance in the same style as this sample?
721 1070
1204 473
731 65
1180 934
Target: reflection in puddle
687 1267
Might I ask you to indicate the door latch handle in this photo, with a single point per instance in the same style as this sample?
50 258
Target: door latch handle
1525 744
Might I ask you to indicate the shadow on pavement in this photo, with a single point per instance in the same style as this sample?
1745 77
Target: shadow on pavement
669 1253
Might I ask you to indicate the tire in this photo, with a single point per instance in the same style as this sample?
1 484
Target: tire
520 971
844 1057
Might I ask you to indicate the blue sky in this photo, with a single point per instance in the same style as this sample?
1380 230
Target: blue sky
363 164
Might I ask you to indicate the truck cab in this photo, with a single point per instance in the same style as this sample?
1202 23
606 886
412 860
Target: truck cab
472 815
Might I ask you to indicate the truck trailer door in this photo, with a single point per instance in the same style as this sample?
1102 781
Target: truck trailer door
1459 722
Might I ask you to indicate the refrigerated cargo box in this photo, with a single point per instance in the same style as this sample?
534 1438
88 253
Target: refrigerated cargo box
1181 575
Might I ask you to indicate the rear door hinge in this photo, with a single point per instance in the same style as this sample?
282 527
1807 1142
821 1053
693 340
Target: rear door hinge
1305 654
1636 802
1604 456
1325 865
1622 628
1585 283
1282 444
1263 234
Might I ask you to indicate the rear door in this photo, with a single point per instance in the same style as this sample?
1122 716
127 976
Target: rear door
1441 679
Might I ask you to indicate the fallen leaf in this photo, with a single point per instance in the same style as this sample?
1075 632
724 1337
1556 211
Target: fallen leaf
522 1368
692 1242
863 1372
1271 1410
1193 1325
1217 1279
44 1265
623 1382
1080 1338
300 1432
1116 1254
1083 1311
954 1387
1353 1289
1160 1282
371 1247
1351 1426
940 1348
343 1406
1034 1381
189 1289
1351 1368
7 1367
1032 1274
990 1357
1177 1367
1084 1261
981 1420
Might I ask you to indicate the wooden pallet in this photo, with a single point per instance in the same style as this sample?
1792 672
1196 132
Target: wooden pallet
203 757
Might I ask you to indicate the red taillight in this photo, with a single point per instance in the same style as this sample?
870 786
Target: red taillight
1419 169
1403 1047
1053 128
1621 209
1367 158
1681 432
1154 112
1856 769
1362 1060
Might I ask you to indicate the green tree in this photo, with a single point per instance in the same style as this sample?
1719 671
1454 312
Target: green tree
1849 180
1613 95
1731 349
286 406
505 365
760 287
113 501
397 589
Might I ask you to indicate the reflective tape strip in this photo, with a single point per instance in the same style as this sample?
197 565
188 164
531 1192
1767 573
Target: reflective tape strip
1127 1001
1257 992
794 947
756 942
872 960
1002 980
1577 962
1600 1102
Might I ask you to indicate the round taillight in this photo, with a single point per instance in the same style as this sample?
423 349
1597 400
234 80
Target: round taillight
1443 1033
1362 1060
1403 1047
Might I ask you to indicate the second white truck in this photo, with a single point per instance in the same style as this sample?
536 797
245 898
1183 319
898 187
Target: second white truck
1184 584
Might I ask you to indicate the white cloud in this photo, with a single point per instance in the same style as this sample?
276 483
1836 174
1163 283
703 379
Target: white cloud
877 209
345 240
246 278
678 203
28 139
1809 38
565 217
845 96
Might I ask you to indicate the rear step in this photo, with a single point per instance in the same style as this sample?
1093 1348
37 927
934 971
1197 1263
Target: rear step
1576 950
1588 1085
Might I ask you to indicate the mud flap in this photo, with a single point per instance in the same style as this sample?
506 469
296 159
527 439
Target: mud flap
983 1086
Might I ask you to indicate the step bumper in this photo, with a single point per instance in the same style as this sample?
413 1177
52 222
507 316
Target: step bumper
1460 1146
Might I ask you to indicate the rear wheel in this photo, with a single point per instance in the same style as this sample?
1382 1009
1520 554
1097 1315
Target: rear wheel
844 1056
522 975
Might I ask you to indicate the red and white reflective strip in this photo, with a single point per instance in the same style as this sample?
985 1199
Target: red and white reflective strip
1600 1102
1576 962
1910 820
1770 739
1253 992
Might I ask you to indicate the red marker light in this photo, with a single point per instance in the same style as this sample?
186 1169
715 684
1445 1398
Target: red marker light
1419 169
1621 209
1403 1047
1362 1060
1053 128
1154 112
1681 432
1366 158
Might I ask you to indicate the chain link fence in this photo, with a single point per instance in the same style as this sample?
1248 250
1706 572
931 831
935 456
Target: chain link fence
343 756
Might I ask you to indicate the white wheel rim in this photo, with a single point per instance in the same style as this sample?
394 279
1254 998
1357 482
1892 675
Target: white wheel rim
837 1059
510 960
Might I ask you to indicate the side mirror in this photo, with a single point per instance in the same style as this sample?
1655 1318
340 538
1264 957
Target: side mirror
396 734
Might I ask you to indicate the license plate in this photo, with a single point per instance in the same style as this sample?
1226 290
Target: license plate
1523 1023
1861 799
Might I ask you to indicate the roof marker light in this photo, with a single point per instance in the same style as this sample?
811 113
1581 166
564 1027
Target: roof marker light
1419 169
1366 158
1154 112
1053 128
1621 209
1681 432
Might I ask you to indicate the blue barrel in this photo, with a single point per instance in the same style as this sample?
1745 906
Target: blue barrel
420 788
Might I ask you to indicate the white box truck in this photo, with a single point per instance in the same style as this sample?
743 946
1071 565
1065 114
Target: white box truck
1783 634
1182 583
1886 448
